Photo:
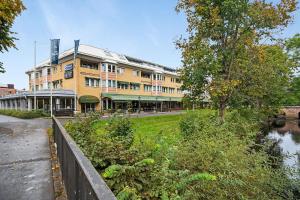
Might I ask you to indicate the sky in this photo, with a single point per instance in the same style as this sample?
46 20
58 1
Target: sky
138 28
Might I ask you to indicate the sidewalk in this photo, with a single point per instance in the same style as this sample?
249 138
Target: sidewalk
25 166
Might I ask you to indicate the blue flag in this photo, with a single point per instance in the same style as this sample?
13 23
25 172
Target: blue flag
76 48
54 51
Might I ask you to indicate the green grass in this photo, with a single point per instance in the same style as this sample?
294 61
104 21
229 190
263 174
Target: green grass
152 130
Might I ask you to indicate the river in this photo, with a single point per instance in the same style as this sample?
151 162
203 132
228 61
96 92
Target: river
287 133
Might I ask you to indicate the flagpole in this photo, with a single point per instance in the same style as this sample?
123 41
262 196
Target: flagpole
51 84
75 80
34 80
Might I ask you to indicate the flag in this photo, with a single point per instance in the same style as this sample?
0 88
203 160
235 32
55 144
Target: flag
76 48
54 51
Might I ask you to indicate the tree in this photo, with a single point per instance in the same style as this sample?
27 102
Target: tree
292 94
223 39
9 10
293 48
264 84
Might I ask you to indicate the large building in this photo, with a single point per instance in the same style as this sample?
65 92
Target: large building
7 89
99 80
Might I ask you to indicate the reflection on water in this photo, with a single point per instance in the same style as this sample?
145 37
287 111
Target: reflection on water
288 135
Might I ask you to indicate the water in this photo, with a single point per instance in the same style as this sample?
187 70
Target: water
287 133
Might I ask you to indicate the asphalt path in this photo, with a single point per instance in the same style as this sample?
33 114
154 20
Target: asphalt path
25 166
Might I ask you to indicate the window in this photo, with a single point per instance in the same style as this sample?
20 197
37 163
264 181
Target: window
112 83
123 85
136 73
147 88
57 84
172 90
111 68
103 83
120 70
164 89
29 76
179 91
157 88
158 77
92 82
134 86
178 80
146 74
173 80
89 65
48 71
103 67
37 75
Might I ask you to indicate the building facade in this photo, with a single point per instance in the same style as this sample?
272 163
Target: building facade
7 89
99 79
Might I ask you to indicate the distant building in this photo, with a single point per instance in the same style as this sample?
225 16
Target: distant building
101 80
7 89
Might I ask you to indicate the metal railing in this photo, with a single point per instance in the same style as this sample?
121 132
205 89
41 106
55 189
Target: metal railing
80 178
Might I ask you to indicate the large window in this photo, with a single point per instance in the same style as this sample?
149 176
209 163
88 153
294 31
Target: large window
57 84
147 88
135 73
123 85
165 89
120 70
159 77
157 88
146 74
92 82
103 67
134 86
89 65
172 90
112 83
111 68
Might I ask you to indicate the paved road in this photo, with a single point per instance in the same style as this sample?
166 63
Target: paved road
25 167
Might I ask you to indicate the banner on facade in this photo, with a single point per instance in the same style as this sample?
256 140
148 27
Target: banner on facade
69 71
76 48
54 51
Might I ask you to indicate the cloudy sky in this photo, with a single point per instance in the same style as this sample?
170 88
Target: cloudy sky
139 28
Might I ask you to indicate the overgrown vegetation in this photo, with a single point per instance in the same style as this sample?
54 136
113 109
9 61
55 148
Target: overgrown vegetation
24 114
193 157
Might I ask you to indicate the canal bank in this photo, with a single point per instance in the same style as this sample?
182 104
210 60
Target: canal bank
286 135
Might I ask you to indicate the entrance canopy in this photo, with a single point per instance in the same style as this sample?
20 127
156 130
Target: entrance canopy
123 97
88 99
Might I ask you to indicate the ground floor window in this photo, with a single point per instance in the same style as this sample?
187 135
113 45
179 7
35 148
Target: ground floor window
88 107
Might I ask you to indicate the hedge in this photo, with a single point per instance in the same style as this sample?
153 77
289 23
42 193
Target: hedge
24 114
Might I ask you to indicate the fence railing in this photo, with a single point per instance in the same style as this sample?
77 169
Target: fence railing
81 179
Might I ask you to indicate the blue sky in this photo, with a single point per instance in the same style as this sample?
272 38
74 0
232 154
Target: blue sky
140 28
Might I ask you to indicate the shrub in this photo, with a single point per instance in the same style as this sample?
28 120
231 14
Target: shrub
119 126
210 161
24 114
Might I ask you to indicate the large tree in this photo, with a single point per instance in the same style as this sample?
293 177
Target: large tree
9 10
223 39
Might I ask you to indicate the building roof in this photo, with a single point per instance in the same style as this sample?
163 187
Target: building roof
112 57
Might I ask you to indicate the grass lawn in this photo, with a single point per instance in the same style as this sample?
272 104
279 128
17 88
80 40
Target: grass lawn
150 130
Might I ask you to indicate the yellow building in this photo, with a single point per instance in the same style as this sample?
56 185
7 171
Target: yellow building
104 80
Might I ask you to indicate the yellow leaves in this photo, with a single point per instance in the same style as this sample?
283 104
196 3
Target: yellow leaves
223 88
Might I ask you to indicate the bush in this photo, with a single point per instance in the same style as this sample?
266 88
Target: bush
209 161
119 127
24 114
